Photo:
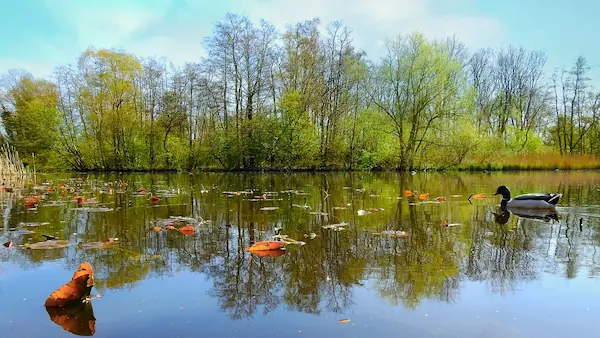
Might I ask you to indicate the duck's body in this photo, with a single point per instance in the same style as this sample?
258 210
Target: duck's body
528 201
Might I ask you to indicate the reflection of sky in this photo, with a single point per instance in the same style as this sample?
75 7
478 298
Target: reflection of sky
180 306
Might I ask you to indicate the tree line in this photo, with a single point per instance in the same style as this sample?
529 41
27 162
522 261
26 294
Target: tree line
305 98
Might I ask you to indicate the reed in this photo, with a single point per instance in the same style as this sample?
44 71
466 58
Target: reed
540 161
11 166
551 161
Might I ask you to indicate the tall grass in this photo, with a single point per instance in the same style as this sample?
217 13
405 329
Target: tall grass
11 166
551 161
541 161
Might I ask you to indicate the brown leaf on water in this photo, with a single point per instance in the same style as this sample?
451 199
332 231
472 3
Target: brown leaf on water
187 230
78 318
30 200
74 291
157 229
344 320
170 227
51 244
266 246
8 244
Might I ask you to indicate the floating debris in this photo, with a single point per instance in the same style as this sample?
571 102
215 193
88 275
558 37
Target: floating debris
100 209
51 244
392 233
335 227
288 240
105 244
269 208
23 232
32 224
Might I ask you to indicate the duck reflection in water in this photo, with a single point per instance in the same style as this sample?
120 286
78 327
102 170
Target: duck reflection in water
503 216
78 318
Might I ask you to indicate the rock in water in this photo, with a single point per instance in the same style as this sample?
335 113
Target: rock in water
74 291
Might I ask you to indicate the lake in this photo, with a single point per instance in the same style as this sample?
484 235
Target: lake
456 267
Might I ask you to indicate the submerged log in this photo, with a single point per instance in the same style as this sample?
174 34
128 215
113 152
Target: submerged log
75 291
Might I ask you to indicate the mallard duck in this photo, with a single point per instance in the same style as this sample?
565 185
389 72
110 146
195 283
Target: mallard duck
528 201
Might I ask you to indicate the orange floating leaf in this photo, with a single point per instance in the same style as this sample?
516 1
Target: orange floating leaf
344 321
170 227
423 196
30 200
157 229
187 230
479 196
440 199
266 246
408 193
74 291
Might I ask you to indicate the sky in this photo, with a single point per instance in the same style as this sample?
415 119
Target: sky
38 35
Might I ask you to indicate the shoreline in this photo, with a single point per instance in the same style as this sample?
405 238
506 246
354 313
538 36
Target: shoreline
307 170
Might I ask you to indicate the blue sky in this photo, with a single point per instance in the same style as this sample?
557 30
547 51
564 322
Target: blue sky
38 35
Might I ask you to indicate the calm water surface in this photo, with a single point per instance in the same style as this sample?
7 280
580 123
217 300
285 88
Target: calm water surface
490 274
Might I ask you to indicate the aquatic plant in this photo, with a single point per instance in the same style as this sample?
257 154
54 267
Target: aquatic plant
11 165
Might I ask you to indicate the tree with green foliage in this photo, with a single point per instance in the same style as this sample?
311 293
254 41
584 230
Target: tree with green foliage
31 125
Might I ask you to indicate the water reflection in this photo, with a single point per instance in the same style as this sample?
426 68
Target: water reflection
77 319
431 263
503 215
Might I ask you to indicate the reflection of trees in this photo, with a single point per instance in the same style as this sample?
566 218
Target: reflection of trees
320 276
424 265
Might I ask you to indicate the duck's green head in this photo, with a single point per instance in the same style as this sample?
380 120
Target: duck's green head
503 190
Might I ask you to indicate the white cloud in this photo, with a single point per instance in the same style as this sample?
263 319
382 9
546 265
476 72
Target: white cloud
159 29
374 21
